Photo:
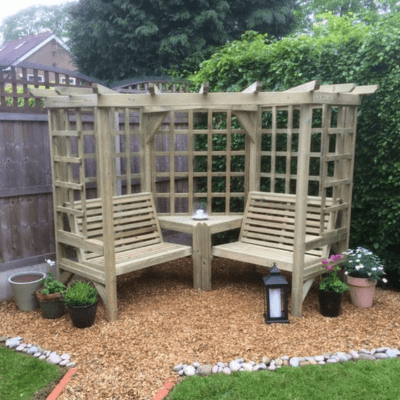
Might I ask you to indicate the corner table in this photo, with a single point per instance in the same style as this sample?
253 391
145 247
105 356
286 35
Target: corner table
201 231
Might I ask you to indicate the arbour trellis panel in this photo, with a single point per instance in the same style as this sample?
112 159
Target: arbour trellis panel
299 142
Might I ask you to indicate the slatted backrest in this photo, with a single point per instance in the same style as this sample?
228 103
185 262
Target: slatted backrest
269 220
135 222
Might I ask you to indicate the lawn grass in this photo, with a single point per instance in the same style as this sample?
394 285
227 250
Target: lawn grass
24 377
360 380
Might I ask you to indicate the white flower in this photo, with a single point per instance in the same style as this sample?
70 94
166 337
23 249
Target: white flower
374 269
384 280
346 272
369 273
51 263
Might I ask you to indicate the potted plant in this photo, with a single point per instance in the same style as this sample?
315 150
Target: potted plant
331 289
363 270
81 300
51 296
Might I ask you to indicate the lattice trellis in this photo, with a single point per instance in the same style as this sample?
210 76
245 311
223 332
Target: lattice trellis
299 142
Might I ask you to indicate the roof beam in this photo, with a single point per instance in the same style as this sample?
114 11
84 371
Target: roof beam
306 87
253 88
204 88
248 120
153 89
340 88
370 89
100 89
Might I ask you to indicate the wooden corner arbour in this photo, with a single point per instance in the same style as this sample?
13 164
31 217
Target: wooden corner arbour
294 145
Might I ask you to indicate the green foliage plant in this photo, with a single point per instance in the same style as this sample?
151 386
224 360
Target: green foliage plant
339 50
51 285
332 282
363 263
80 294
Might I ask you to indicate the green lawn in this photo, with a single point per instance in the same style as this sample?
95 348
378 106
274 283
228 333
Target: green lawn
352 380
24 377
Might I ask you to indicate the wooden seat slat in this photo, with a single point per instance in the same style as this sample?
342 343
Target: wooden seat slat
268 231
138 241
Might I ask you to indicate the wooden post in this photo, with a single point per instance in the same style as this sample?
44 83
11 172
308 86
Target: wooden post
105 167
255 155
303 162
196 256
205 256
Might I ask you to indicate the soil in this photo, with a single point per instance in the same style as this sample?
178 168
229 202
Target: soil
163 321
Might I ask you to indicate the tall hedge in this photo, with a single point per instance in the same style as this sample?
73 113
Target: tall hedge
339 51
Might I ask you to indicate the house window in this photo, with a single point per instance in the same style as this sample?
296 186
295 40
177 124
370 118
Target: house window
32 78
71 80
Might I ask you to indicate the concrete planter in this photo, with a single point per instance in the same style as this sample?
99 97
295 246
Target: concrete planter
362 291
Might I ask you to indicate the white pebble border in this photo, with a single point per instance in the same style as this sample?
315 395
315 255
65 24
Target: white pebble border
51 357
238 364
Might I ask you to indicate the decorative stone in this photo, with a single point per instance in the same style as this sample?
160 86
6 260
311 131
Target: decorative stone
294 362
364 351
369 357
65 356
221 364
278 362
283 358
312 362
332 361
272 368
285 363
234 366
220 369
180 372
29 345
342 358
247 366
43 357
47 353
54 359
32 350
214 369
382 349
381 356
241 369
354 355
189 370
321 362
319 358
3 339
391 353
256 367
252 362
304 363
226 371
263 366
38 354
64 363
266 360
196 364
19 348
239 360
176 368
204 370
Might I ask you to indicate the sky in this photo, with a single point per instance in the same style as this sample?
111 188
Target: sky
12 7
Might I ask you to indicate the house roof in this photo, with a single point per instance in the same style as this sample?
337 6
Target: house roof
16 51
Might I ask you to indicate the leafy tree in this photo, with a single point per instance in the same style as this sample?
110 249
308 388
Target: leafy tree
113 40
367 10
36 19
344 49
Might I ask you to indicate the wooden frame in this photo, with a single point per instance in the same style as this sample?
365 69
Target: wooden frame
299 142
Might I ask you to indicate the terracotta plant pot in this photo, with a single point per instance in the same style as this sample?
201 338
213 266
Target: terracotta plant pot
52 305
362 291
330 303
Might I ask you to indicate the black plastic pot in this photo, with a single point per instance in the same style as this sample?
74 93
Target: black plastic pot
330 303
83 317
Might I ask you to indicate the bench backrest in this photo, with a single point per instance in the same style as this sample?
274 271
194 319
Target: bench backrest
269 220
135 221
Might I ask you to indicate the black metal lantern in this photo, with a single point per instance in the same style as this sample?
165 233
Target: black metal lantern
276 290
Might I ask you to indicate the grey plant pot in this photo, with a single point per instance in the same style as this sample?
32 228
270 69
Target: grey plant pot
24 285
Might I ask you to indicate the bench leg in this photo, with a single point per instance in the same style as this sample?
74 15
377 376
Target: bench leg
206 257
307 286
196 256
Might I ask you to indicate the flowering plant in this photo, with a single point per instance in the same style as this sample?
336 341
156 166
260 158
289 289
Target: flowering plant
363 263
332 281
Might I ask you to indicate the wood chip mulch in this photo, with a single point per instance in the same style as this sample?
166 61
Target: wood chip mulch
163 321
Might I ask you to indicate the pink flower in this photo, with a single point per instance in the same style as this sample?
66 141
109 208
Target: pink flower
333 257
330 267
325 262
338 256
